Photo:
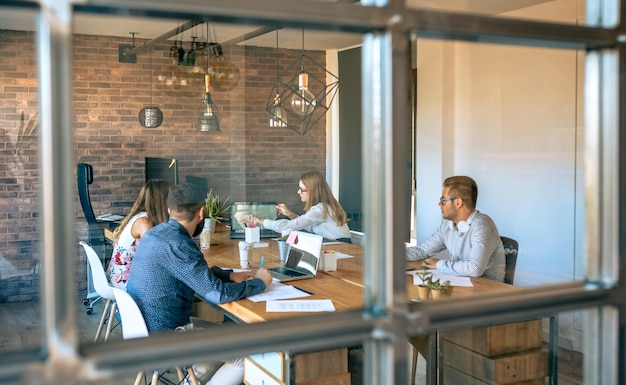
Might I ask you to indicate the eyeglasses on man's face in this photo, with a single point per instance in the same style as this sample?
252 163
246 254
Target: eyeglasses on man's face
442 200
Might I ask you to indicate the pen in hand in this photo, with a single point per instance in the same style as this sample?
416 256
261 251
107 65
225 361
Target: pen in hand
262 262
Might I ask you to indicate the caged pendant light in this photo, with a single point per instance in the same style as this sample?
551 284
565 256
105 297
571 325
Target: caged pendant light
150 116
308 93
278 116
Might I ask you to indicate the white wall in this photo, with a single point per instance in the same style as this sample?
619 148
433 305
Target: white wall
510 118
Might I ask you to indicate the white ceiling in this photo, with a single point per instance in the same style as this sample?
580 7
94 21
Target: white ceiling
122 26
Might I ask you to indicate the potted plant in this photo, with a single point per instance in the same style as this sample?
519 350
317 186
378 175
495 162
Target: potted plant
215 210
440 289
423 290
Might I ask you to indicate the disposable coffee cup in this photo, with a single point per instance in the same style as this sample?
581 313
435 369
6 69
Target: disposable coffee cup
205 240
245 249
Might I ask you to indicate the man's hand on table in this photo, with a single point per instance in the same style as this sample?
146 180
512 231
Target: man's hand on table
430 263
264 276
261 274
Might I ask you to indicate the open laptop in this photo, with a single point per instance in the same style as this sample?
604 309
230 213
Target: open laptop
303 259
258 209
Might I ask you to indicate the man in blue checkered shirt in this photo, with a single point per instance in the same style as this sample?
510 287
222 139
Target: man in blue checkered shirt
169 270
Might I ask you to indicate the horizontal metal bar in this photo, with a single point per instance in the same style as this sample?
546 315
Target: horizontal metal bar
339 329
357 18
445 25
14 363
512 306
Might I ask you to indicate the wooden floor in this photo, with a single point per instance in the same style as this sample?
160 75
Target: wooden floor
20 327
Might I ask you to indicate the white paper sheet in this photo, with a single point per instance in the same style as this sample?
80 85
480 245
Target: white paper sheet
310 305
278 290
437 275
339 255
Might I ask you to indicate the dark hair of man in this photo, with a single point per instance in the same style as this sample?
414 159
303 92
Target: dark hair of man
184 201
463 187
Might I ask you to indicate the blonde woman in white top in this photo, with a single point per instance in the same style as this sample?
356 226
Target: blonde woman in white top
323 215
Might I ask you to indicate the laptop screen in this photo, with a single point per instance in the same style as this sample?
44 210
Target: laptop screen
305 253
258 209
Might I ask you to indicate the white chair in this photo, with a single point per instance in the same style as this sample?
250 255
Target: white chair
134 326
102 287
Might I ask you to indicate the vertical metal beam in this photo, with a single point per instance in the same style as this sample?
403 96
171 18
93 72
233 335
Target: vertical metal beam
386 197
58 246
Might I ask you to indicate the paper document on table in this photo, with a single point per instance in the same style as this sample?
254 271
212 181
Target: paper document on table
455 280
278 290
310 305
339 255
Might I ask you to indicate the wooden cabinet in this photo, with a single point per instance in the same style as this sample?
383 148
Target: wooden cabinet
501 354
329 367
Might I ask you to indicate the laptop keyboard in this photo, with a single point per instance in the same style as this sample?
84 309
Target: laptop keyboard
288 272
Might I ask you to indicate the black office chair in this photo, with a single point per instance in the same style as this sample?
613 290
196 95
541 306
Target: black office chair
511 248
84 173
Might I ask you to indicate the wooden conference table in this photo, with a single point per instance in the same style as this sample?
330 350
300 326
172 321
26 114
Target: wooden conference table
510 353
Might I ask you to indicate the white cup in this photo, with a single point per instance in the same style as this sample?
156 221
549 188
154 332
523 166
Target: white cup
205 240
245 248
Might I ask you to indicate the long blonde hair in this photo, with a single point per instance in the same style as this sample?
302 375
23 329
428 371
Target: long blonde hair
319 191
153 200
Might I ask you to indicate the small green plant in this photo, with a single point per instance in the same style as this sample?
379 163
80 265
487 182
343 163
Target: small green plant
438 285
215 207
426 277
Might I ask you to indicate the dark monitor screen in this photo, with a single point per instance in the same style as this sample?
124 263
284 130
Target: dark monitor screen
162 168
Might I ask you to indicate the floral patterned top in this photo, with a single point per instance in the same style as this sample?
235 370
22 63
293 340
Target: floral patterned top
123 253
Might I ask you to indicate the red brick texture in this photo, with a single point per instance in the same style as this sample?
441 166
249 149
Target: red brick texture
247 160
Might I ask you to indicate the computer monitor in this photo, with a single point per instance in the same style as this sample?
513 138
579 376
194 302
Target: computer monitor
162 168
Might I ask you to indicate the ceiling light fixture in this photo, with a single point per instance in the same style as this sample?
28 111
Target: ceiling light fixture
307 92
208 121
278 116
150 116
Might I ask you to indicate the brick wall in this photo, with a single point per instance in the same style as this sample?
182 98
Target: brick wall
247 160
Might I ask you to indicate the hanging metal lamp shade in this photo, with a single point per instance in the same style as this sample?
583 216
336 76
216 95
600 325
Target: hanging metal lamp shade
150 117
208 121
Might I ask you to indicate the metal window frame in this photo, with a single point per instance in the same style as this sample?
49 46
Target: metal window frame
386 320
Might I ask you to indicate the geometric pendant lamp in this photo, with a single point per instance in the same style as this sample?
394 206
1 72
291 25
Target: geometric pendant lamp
305 90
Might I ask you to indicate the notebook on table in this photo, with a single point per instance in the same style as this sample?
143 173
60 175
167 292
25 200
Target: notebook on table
258 209
303 259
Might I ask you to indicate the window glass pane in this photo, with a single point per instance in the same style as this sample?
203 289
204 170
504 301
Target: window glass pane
20 229
510 118
560 11
246 161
